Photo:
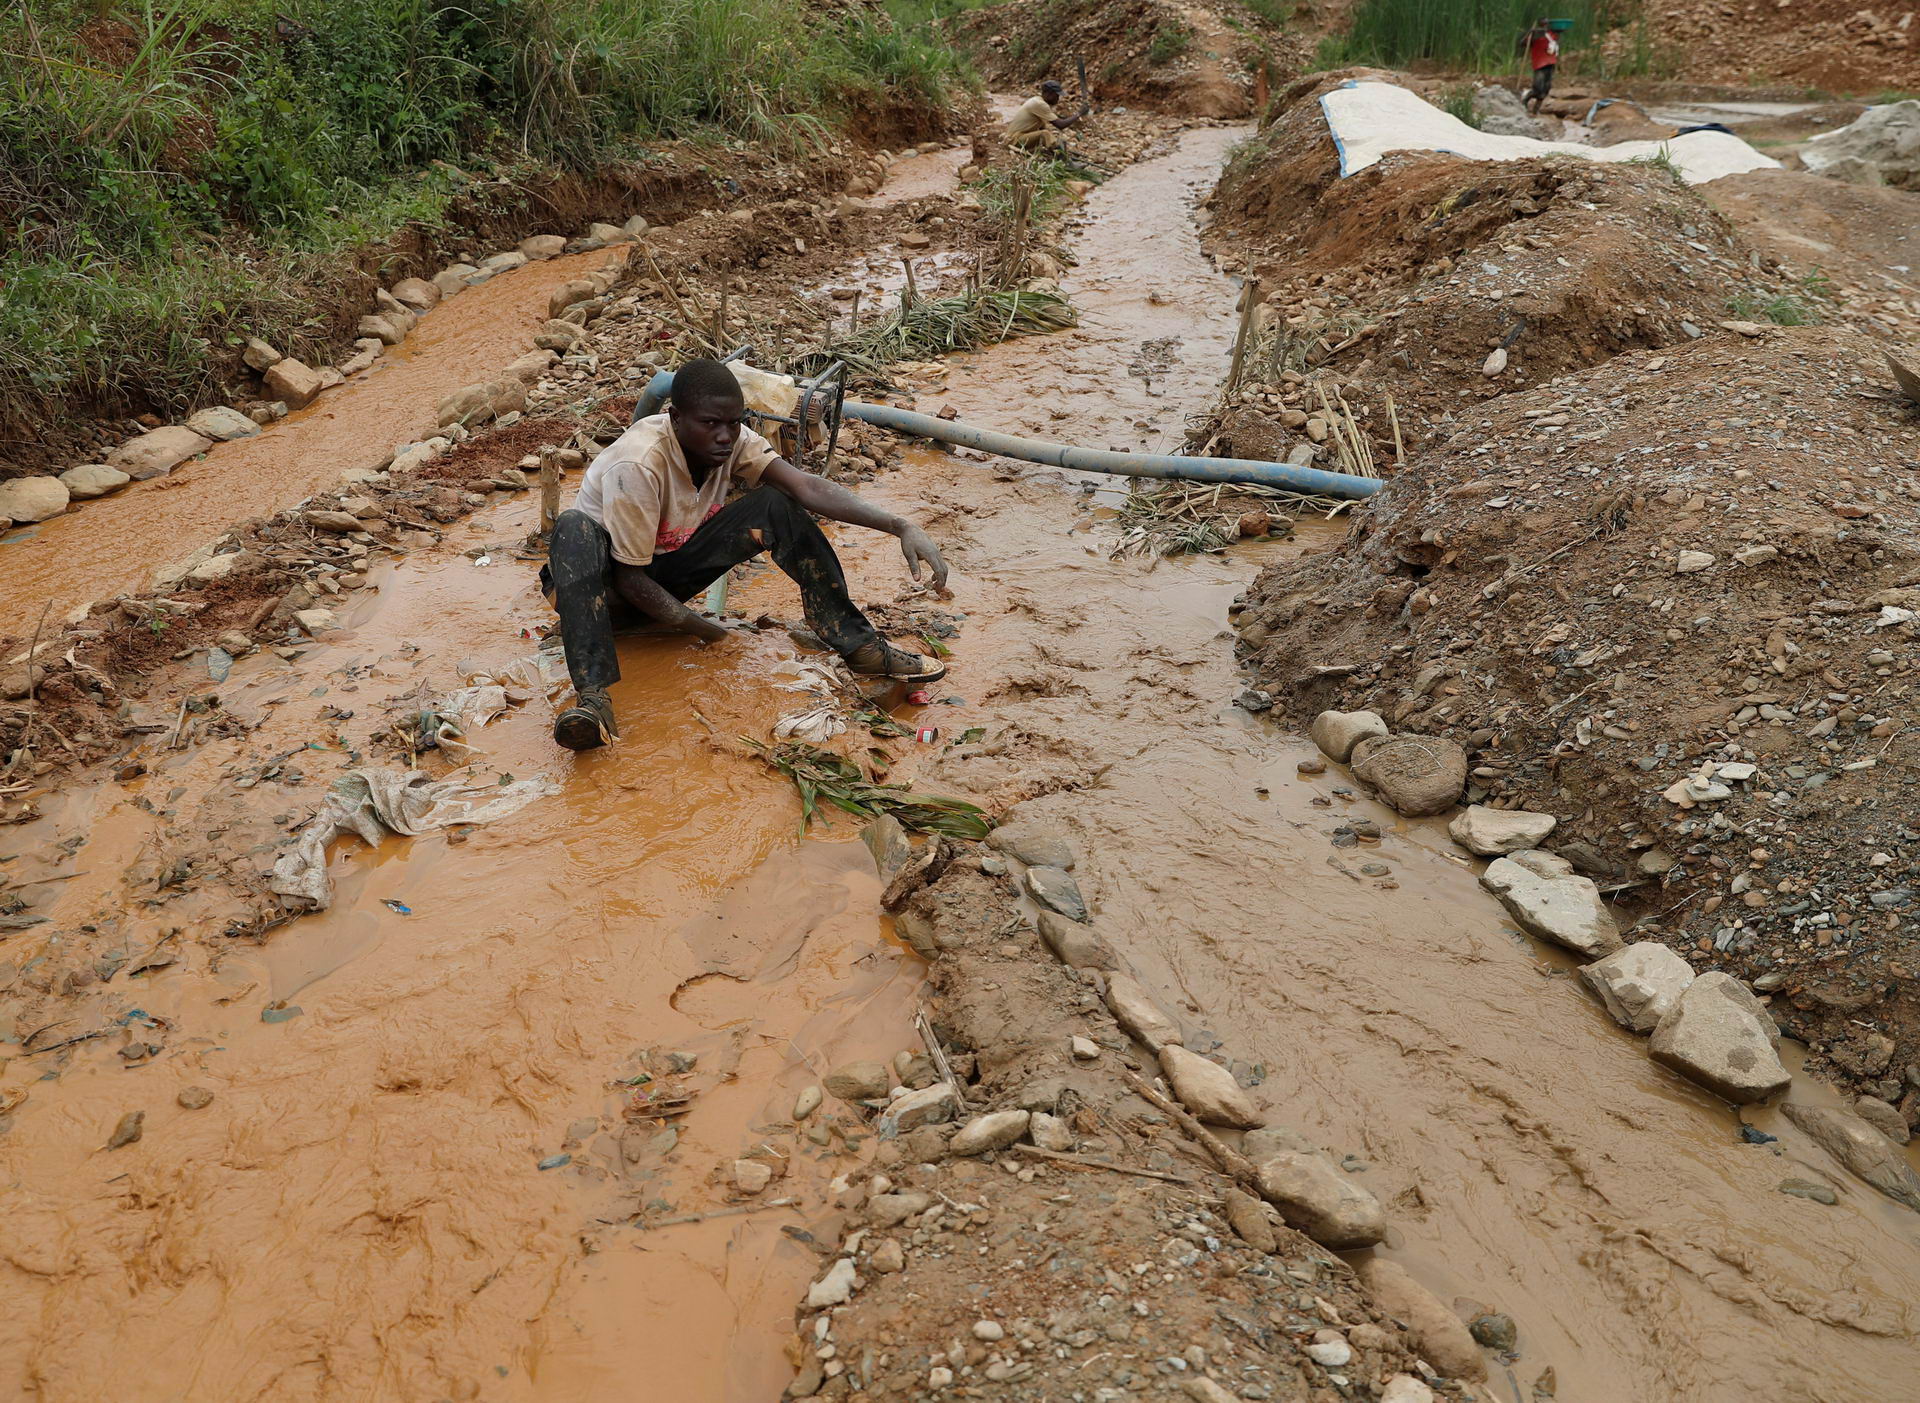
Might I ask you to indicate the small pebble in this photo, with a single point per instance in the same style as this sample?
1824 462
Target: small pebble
194 1097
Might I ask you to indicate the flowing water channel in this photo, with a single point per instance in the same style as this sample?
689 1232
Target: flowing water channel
362 1213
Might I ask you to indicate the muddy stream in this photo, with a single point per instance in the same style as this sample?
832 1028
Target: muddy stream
362 1211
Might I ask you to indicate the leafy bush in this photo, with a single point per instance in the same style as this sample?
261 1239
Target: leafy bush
1169 42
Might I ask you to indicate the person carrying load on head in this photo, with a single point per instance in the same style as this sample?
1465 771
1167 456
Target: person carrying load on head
1036 124
1541 44
652 527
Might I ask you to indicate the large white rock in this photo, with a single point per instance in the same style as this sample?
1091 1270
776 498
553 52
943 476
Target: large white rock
1549 899
542 246
1417 775
28 499
1496 832
222 423
1208 1089
1322 1202
1718 1034
152 454
1639 984
1337 732
993 1131
931 1105
1133 1010
836 1288
259 355
91 480
417 294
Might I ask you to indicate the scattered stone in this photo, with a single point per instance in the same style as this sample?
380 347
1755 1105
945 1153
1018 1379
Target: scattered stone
132 1125
863 1080
1639 984
1263 1144
1205 1390
1052 887
993 1131
295 382
607 233
1884 1118
1495 363
932 1105
888 1258
469 405
258 355
504 262
314 622
417 294
1311 766
338 522
1720 1036
1036 847
807 1102
1134 1011
1330 1350
158 452
1405 1388
557 335
222 424
1417 775
1321 1202
1209 1090
1074 944
1862 1150
1806 1188
1549 899
194 1098
1756 555
453 278
1248 1218
891 1210
1442 1337
1496 832
1083 1049
569 293
1337 732
1496 1332
836 1288
750 1176
1050 1132
29 499
990 1331
1691 562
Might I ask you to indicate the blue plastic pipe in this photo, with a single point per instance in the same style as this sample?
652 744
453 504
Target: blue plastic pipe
1285 476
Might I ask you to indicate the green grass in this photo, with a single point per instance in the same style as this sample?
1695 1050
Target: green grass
1783 309
1169 42
1480 35
1273 13
1458 100
1661 160
176 172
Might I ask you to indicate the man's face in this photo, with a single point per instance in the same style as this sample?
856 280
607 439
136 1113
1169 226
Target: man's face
1051 92
708 429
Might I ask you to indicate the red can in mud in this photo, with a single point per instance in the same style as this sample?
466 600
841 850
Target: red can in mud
927 735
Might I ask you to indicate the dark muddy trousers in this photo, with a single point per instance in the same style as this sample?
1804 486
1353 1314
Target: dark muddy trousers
1542 84
578 577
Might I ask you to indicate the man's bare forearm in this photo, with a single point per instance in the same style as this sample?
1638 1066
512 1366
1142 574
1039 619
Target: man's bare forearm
640 590
831 500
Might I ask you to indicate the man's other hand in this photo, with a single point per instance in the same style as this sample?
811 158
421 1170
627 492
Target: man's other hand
919 550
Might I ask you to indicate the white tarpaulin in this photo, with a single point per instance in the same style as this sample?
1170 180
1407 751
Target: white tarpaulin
1369 119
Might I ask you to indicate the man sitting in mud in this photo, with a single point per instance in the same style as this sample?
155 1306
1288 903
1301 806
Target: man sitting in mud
1036 124
652 527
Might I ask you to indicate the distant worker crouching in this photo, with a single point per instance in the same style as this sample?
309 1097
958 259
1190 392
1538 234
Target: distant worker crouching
1036 125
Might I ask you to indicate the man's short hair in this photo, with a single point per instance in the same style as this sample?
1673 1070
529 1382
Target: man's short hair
1051 84
702 382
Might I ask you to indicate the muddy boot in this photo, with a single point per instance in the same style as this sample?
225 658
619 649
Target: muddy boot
587 724
881 659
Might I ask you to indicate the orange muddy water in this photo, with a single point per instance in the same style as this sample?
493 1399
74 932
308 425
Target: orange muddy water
116 543
360 1213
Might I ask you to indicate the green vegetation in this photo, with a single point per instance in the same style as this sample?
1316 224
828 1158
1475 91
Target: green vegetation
1661 160
1609 38
180 172
1269 12
1458 100
1169 42
834 781
1800 308
926 328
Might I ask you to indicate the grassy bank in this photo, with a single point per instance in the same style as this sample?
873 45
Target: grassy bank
1609 38
176 174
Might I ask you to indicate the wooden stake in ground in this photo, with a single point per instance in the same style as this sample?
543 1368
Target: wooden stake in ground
549 491
1251 300
1231 1161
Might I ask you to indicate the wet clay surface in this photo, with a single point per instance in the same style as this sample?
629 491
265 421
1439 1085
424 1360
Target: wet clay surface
116 543
360 1211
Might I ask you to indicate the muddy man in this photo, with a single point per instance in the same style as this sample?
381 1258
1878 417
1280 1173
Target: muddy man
1036 125
652 527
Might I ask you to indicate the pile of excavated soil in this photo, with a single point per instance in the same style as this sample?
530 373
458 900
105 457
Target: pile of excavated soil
1671 600
1414 271
1197 60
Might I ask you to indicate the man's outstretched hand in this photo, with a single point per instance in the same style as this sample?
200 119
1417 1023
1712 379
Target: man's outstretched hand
919 549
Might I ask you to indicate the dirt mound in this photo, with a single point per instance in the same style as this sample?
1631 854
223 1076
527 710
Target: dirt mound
1838 45
1418 269
1197 60
1670 600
